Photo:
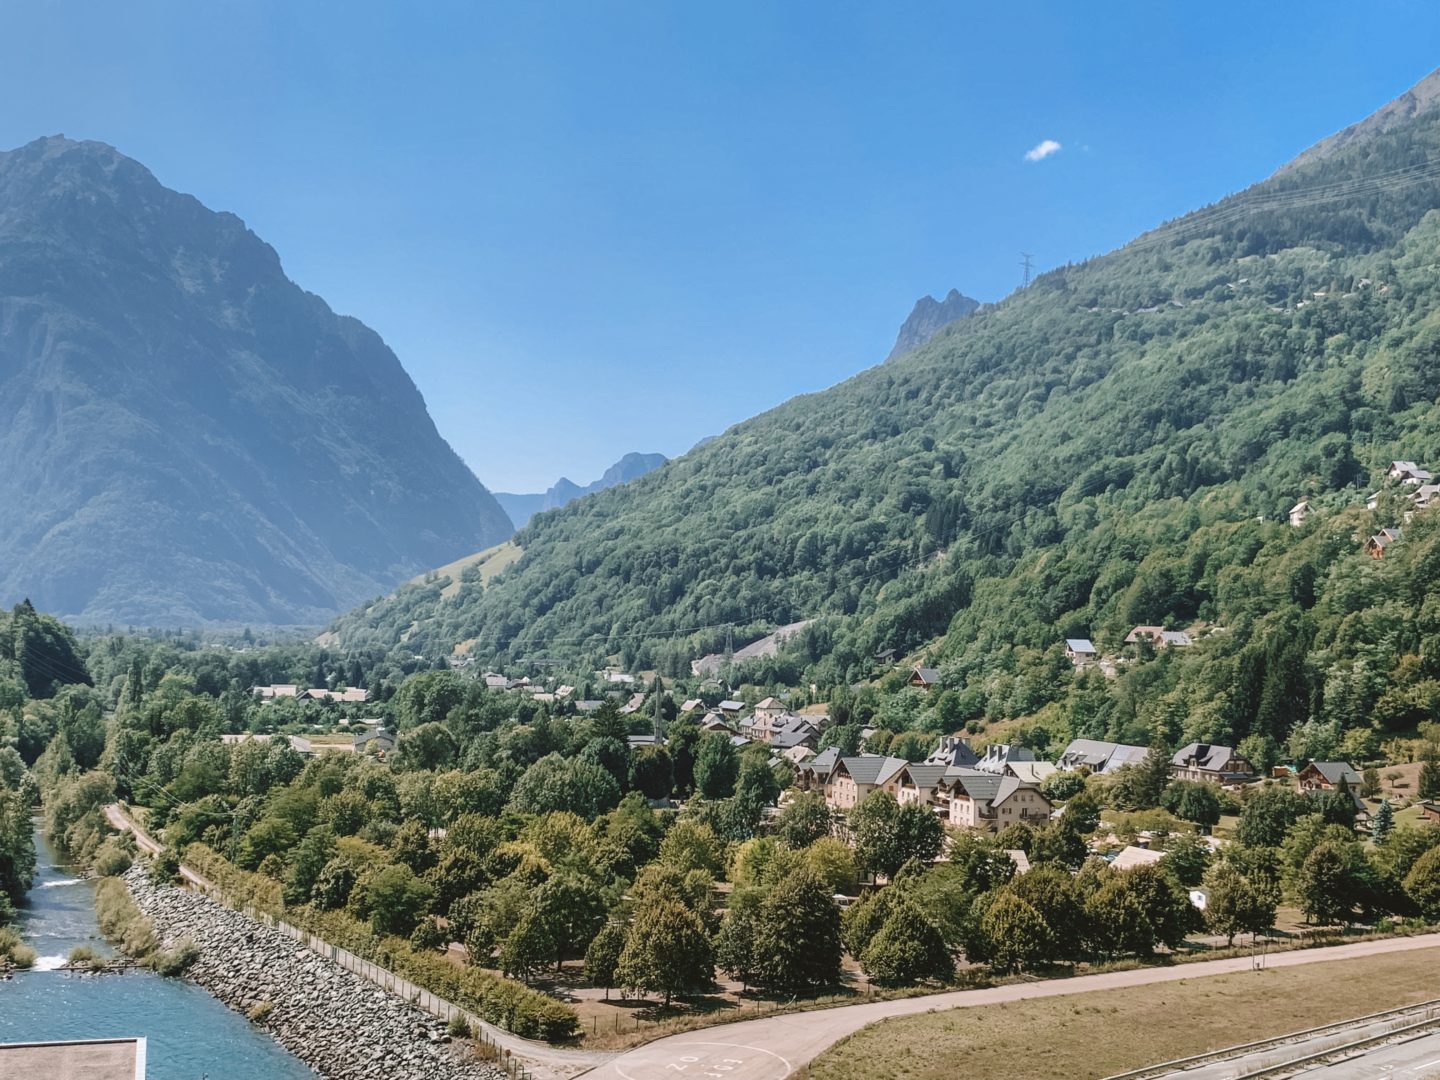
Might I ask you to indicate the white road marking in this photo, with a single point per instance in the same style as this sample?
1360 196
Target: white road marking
730 1046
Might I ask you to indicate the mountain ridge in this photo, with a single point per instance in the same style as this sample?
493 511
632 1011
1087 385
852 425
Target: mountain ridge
240 452
522 507
928 317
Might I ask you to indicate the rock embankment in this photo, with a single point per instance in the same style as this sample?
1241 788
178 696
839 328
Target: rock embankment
338 1024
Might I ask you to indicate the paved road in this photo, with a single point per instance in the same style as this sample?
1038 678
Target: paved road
1416 1060
1236 1066
773 1047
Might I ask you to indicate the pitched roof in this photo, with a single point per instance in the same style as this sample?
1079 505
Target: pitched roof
1332 771
1080 644
1205 756
1136 856
924 776
926 674
823 763
953 750
769 704
980 786
873 769
1032 772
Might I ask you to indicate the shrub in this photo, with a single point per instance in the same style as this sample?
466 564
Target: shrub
174 960
112 858
458 1027
259 1011
83 956
22 956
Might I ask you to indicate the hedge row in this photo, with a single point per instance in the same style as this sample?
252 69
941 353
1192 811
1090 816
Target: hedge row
503 1002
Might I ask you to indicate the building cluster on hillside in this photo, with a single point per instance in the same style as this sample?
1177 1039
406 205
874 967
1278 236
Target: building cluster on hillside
364 737
277 691
1410 482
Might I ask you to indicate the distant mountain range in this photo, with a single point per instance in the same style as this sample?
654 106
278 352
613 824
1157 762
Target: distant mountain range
522 508
928 318
186 435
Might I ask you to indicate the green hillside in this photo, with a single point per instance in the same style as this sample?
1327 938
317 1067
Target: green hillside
1092 453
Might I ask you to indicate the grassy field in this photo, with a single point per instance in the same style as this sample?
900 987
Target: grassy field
1099 1034
490 561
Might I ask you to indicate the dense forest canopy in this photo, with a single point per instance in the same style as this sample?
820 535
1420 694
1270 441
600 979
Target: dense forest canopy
1117 444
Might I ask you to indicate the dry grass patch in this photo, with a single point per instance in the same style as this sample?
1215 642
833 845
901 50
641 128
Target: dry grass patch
1106 1032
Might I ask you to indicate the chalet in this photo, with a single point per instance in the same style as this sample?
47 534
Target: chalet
1376 546
1081 651
921 783
731 708
1099 757
587 705
1326 776
954 752
797 755
1300 513
564 692
376 740
887 656
985 801
1210 764
276 690
798 732
1424 496
1430 811
496 682
634 705
355 696
1159 637
1030 772
924 677
713 721
855 779
998 755
690 705
1407 472
619 678
814 774
634 742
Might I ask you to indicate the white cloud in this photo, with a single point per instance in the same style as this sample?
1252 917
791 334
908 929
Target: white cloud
1042 150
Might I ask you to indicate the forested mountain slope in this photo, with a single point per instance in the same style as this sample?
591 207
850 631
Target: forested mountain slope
1092 451
185 434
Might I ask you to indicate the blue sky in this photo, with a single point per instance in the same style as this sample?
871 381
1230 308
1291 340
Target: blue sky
597 227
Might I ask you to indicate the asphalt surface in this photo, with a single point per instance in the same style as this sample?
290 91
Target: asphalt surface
773 1047
1418 1059
1237 1066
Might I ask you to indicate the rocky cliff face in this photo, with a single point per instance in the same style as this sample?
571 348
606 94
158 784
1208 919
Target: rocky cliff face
185 434
927 317
522 508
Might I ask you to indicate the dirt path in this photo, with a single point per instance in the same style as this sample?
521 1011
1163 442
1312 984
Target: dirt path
772 1048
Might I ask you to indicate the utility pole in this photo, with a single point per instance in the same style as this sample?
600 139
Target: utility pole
1026 263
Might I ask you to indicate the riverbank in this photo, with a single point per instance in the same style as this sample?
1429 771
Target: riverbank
338 1024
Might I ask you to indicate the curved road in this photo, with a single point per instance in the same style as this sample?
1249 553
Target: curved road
772 1048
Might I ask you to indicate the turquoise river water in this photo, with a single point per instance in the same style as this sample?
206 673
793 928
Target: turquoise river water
190 1035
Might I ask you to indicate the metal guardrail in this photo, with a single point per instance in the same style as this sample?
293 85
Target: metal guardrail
1212 1056
1344 1050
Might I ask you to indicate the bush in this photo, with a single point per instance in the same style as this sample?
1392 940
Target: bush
259 1011
82 956
459 1027
112 858
22 956
165 867
174 960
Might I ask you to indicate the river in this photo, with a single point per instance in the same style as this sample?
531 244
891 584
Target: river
190 1035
